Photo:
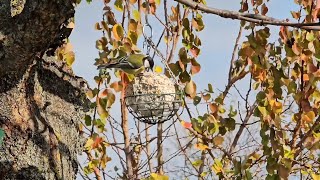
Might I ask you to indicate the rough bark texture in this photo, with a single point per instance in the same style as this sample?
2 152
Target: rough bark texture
41 101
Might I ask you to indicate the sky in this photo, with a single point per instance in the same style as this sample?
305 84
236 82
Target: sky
218 39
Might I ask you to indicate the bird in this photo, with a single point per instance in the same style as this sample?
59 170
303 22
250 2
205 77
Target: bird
132 64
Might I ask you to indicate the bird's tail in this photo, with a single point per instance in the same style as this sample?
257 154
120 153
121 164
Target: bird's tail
106 66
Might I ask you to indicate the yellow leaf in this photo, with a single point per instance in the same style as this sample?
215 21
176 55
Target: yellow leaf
158 69
217 166
101 110
197 163
201 146
254 156
276 106
136 15
155 176
308 117
69 58
315 176
89 144
218 140
104 160
117 32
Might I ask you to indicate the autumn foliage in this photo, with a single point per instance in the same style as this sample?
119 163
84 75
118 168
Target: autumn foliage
271 132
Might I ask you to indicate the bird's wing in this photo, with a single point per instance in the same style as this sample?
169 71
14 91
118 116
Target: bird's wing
136 64
123 63
133 64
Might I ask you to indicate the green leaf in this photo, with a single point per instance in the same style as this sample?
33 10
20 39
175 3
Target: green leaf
229 123
197 163
118 5
184 77
292 87
310 36
196 125
232 112
183 56
222 130
186 23
175 68
196 100
197 23
210 88
133 37
87 120
261 96
248 175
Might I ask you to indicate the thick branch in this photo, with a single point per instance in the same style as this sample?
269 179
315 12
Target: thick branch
126 135
160 149
30 32
254 18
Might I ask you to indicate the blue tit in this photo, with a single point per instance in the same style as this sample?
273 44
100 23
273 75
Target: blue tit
132 64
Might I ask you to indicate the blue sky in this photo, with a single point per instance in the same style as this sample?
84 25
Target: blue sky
218 39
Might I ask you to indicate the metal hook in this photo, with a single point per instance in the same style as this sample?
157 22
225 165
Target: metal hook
147 37
144 31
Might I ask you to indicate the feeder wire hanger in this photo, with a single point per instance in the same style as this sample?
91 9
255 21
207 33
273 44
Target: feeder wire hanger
148 43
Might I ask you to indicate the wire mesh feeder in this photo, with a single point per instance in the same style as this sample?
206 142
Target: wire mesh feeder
152 98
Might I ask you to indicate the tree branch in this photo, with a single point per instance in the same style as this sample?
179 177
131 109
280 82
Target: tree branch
126 135
254 18
237 137
299 146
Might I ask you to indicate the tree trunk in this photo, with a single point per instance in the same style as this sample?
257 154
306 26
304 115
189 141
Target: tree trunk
41 101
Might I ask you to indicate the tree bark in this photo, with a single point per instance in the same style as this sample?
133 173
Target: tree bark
41 101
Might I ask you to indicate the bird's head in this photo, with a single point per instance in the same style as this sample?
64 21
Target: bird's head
148 63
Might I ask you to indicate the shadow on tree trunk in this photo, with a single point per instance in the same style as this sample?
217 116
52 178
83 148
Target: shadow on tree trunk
41 119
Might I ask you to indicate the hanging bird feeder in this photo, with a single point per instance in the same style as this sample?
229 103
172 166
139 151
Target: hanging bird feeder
152 98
